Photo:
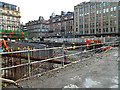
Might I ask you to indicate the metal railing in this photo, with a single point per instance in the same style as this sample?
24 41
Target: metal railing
20 64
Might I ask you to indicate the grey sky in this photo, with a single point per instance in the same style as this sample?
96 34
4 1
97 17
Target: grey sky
32 9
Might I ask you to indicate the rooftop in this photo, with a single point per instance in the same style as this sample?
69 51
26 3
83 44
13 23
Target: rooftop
9 6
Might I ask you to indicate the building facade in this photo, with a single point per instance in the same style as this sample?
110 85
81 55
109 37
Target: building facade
37 29
10 22
96 18
60 25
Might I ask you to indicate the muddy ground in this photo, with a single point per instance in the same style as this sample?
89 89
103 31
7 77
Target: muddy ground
98 71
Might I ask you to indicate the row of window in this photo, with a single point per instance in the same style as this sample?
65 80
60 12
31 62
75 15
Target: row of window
99 11
13 28
81 20
1 11
92 31
98 24
38 30
43 26
92 18
13 7
93 7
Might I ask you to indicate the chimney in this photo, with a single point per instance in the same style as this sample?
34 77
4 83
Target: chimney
4 6
62 12
19 9
50 17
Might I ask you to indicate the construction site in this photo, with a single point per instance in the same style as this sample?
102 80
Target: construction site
74 63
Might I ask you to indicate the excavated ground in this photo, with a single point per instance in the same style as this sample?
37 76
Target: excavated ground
98 71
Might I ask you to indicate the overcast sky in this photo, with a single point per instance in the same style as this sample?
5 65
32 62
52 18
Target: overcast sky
32 9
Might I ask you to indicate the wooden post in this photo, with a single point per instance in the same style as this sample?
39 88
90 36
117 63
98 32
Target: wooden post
28 61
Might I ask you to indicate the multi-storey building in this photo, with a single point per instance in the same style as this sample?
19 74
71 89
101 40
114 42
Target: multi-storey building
37 29
10 22
97 18
61 24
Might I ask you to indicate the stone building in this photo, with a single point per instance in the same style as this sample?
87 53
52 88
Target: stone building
37 29
60 25
97 18
10 22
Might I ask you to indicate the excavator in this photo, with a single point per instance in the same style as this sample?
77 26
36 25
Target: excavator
93 41
5 45
6 82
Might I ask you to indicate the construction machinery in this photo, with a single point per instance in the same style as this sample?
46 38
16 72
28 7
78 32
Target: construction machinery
5 45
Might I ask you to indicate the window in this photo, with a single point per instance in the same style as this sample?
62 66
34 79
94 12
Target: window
114 8
107 3
1 11
115 15
8 17
99 30
76 29
80 26
97 11
115 22
43 29
106 29
103 10
7 11
97 5
104 4
100 5
87 8
103 29
12 13
114 29
80 32
80 20
80 10
119 8
111 29
85 19
107 10
91 7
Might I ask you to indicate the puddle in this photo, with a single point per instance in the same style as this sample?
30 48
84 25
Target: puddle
89 83
114 86
71 86
116 54
115 80
75 78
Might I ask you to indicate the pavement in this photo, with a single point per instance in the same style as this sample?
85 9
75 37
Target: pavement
98 71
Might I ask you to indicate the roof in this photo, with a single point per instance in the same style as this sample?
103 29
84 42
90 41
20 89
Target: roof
65 15
8 3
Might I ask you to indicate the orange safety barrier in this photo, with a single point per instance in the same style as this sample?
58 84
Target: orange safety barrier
5 45
105 48
87 42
